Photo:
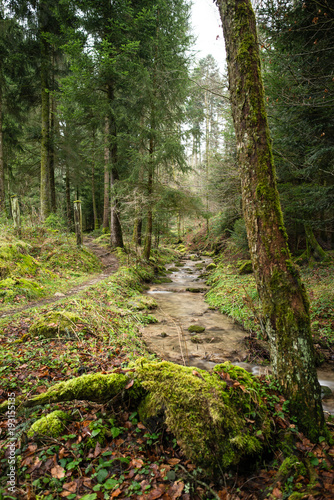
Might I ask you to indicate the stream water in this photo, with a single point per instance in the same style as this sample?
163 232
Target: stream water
181 305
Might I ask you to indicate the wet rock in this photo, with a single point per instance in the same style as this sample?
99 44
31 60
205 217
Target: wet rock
326 392
196 329
196 340
196 290
173 269
163 335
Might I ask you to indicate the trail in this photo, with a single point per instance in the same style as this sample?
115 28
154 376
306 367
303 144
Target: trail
109 263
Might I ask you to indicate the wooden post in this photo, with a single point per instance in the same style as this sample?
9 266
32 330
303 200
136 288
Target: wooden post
78 222
16 213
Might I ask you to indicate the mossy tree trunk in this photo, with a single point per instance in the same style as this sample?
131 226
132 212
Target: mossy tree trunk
116 238
314 246
78 222
2 161
68 196
44 188
105 222
283 297
149 225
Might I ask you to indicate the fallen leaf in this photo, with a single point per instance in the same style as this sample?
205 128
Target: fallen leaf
277 493
58 472
130 384
137 463
174 461
116 493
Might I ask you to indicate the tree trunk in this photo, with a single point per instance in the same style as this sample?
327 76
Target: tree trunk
2 163
116 237
68 197
44 190
78 222
106 178
283 297
52 154
314 246
96 220
149 226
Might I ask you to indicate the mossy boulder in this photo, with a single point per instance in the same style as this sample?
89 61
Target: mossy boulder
12 287
207 415
52 425
211 266
142 302
196 329
55 323
219 419
196 290
195 339
173 269
245 267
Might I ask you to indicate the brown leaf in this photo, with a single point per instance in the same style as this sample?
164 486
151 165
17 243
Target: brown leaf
174 461
141 426
130 384
116 493
155 493
58 472
277 493
137 463
97 450
68 489
176 490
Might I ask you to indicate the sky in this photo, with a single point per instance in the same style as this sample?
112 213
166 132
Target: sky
207 27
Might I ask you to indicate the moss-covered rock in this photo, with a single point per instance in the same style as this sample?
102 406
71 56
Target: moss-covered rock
51 425
142 302
246 267
211 266
12 287
195 339
206 416
55 323
196 329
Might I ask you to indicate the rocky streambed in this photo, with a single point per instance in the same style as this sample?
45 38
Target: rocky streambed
190 333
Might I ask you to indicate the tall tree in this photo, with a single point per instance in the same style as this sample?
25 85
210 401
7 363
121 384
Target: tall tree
284 301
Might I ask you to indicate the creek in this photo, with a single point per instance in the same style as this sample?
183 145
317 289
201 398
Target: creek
181 305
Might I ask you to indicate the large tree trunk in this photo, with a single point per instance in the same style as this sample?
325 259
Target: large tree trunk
116 238
68 196
283 297
105 223
44 189
149 226
2 163
52 133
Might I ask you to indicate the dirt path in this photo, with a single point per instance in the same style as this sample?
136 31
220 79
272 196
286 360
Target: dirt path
109 263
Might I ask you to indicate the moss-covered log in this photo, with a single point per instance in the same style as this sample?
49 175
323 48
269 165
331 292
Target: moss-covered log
218 418
284 301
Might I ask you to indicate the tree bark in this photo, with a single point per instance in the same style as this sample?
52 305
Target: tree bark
2 162
68 197
96 220
116 237
78 222
52 133
44 189
149 226
284 300
106 179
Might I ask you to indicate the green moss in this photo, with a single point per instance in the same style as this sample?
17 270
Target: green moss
12 287
196 329
96 387
206 418
142 302
246 267
211 266
55 323
51 425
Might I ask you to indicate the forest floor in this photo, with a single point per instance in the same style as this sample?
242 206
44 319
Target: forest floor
105 451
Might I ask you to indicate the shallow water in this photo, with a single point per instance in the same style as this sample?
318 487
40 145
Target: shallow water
222 340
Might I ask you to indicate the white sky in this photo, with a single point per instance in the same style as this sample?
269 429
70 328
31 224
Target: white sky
207 27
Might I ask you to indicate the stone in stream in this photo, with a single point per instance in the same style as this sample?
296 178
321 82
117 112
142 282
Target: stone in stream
196 340
163 335
211 266
196 329
326 392
196 290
